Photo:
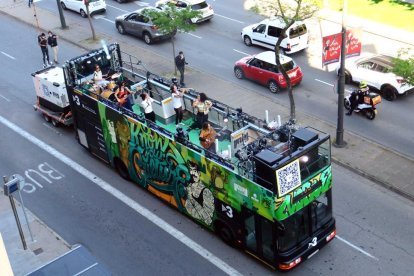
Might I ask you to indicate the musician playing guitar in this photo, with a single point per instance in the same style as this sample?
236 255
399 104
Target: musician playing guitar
122 94
208 137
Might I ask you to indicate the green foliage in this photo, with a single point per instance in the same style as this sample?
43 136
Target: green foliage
171 19
403 66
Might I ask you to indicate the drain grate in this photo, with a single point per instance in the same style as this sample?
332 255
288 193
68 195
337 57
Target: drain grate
38 251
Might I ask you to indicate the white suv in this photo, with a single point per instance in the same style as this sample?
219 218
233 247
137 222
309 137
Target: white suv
78 6
206 10
376 71
267 32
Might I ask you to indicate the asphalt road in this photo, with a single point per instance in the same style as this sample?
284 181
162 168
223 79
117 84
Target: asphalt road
217 44
374 225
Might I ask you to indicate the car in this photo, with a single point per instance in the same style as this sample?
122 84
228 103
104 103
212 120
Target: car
206 10
95 6
262 68
267 32
376 71
136 23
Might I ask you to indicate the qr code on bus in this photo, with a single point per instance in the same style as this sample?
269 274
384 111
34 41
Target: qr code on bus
288 177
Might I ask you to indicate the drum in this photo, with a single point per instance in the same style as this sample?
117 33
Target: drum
111 85
107 94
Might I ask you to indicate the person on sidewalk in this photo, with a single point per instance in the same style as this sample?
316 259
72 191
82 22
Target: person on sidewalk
52 41
176 98
180 63
357 96
42 40
30 3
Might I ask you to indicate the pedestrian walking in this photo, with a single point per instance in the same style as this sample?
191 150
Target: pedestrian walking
42 40
52 41
30 2
180 64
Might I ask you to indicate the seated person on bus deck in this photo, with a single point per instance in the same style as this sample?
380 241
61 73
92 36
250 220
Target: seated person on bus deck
98 77
122 94
208 137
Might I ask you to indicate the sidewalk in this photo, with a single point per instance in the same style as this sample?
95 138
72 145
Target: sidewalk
369 159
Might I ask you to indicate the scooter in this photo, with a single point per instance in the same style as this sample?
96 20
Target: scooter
367 107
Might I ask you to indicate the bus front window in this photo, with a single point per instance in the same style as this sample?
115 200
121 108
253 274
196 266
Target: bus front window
321 210
296 230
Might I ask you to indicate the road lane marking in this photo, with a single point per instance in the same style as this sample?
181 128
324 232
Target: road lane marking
125 11
241 22
241 52
195 35
332 85
125 199
356 247
5 98
7 55
106 19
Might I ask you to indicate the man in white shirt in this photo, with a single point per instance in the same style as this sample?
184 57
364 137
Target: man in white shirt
98 78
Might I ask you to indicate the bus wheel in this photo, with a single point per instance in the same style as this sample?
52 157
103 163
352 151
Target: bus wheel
225 234
46 117
55 123
122 169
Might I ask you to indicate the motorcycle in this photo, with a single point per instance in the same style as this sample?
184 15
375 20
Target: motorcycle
367 107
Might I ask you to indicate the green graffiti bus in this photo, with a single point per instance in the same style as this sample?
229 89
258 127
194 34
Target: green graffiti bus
265 188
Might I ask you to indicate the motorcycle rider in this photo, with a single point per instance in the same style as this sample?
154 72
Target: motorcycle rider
357 96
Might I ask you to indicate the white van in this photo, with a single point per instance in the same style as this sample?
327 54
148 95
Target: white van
267 32
78 6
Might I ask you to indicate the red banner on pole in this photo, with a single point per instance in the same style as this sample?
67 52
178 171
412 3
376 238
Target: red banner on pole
331 46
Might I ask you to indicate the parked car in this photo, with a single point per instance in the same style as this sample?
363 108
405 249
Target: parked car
136 23
206 10
376 71
262 68
267 32
95 6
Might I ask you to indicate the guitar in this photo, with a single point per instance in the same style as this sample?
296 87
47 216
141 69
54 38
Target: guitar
207 140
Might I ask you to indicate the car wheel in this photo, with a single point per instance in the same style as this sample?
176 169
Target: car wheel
55 123
63 6
147 38
120 28
247 40
389 92
83 13
273 87
370 114
238 72
46 117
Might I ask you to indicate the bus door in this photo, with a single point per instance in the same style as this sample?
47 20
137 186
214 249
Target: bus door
259 236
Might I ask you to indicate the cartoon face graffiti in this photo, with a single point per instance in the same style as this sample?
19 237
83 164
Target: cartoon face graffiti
200 200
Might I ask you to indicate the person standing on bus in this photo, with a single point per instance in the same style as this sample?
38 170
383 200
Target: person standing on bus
122 94
147 106
202 107
176 98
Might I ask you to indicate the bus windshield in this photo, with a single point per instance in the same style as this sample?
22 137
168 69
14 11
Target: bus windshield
306 222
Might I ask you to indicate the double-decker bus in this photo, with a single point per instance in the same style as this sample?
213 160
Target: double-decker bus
266 189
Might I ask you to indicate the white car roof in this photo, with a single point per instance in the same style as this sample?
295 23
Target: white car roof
277 21
191 2
269 57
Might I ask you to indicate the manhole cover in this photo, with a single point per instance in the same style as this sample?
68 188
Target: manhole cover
38 251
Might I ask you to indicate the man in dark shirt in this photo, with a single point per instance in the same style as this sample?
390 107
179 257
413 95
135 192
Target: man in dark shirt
180 63
52 41
42 40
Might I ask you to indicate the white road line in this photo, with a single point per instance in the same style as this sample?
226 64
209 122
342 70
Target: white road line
241 52
106 19
7 55
195 35
332 85
356 247
125 199
4 98
125 11
241 22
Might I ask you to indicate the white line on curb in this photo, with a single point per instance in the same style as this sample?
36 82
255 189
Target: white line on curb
241 52
7 55
125 199
356 247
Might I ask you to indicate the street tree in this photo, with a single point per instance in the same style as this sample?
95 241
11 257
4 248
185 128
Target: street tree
171 20
89 19
403 65
289 11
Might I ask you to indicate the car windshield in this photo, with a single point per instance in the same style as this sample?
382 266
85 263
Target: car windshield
306 222
199 6
298 31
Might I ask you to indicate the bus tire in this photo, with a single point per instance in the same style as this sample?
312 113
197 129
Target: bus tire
225 234
46 117
121 169
55 123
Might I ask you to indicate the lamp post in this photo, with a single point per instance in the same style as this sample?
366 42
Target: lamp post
62 18
339 142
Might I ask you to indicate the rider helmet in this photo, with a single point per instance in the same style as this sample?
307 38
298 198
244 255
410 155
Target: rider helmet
363 86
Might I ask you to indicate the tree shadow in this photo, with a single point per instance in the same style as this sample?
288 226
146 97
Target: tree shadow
408 5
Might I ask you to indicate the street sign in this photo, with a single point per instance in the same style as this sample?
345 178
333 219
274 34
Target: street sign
11 186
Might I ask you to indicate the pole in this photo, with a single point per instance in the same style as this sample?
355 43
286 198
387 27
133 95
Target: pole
62 17
339 142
